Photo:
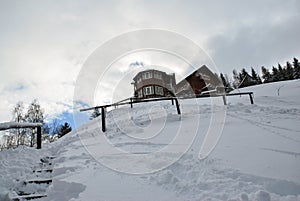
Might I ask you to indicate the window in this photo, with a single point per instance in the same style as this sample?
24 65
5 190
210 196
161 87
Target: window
147 75
159 90
139 80
157 75
140 93
148 90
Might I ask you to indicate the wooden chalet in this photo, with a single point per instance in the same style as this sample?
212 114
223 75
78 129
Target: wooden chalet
154 83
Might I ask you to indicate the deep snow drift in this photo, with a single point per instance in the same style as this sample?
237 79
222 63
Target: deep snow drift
257 157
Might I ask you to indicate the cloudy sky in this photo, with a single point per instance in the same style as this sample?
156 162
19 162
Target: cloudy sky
44 44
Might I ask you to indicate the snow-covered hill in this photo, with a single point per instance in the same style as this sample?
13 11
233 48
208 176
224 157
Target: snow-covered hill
256 158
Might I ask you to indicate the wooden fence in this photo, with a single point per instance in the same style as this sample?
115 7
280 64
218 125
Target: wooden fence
133 100
130 101
16 125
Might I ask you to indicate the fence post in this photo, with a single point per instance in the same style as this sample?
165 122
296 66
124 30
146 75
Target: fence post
177 106
103 119
131 102
39 138
172 101
224 100
251 98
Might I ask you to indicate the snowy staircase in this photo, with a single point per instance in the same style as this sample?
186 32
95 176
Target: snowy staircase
36 186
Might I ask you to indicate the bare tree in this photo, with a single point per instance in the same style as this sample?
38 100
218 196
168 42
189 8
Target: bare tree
18 116
35 114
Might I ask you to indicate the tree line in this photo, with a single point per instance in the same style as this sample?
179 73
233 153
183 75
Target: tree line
34 114
290 71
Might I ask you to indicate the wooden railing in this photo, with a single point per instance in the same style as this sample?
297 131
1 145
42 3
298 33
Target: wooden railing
223 96
134 100
130 101
16 125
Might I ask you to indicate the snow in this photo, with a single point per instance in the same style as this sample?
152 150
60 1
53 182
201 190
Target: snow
151 153
8 125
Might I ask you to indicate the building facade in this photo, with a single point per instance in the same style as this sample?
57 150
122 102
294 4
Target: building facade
154 83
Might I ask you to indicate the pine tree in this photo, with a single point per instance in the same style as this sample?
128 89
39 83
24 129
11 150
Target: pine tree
289 71
255 76
275 76
241 78
281 73
296 66
266 75
225 82
244 78
259 81
236 79
64 130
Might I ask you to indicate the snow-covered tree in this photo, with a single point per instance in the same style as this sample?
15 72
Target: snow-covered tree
35 114
289 71
236 79
66 128
275 74
266 75
18 112
18 116
296 66
224 80
255 76
281 73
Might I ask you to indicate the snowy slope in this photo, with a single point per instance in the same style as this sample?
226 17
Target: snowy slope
256 158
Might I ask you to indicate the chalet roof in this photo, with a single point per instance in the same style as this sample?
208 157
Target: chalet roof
203 70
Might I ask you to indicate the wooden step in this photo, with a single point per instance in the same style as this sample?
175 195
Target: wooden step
21 193
47 159
45 164
50 157
40 181
29 197
45 170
